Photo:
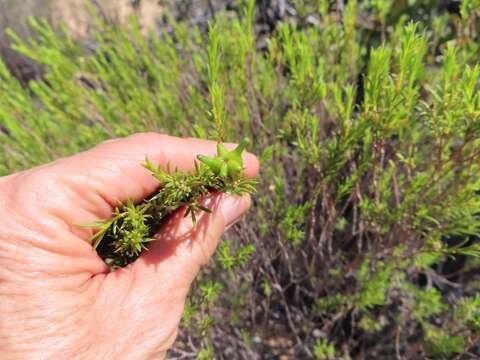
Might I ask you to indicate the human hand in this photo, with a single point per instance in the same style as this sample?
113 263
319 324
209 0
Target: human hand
58 299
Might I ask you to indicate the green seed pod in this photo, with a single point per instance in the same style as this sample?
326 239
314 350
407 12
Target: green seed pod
215 164
237 152
221 150
234 168
226 163
224 170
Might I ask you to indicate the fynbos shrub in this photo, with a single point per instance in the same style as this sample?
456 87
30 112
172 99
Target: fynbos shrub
362 242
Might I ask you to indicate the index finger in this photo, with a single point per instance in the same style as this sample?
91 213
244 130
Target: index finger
115 171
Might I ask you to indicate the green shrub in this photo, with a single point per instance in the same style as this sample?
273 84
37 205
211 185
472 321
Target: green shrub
323 350
368 129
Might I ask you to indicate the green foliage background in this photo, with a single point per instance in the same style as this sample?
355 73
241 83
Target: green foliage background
362 242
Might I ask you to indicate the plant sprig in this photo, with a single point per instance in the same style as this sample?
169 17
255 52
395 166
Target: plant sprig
122 238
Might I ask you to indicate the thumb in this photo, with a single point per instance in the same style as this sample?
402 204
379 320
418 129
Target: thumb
180 248
152 291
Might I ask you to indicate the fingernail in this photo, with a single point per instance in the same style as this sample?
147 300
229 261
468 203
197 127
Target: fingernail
232 207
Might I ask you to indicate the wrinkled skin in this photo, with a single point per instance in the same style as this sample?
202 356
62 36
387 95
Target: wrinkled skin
58 300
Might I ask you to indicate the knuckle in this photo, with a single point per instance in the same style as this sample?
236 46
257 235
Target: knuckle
35 185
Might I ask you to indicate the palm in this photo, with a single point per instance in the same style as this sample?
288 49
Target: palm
65 299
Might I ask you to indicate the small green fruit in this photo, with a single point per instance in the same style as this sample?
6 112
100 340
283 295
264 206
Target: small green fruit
226 163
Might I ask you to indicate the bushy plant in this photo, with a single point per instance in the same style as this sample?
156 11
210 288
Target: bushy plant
121 239
362 242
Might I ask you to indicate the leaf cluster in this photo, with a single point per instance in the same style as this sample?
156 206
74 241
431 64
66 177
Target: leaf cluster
121 239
